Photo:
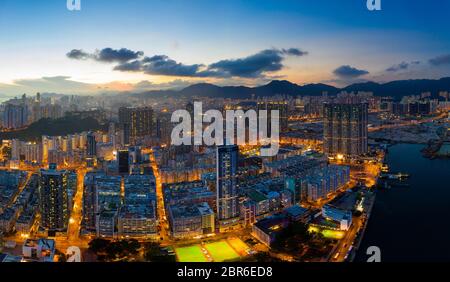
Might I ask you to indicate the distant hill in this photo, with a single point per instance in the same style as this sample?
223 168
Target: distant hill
53 127
401 88
396 89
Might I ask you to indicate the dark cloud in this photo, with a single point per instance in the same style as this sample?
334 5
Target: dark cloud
402 66
254 66
163 65
347 71
107 55
133 66
294 52
440 60
123 55
398 67
78 54
159 65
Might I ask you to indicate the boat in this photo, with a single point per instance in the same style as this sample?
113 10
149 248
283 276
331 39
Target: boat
396 176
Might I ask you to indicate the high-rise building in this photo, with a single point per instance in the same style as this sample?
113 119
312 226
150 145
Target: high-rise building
164 127
91 145
108 202
53 198
15 116
89 201
136 122
125 134
281 107
227 192
101 202
345 129
123 159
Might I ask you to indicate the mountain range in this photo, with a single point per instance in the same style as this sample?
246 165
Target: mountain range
395 89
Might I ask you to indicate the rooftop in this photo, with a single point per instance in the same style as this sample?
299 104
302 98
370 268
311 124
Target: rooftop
272 225
296 210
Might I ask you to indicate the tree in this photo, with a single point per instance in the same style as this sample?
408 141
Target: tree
99 245
292 237
113 250
131 246
152 252
262 257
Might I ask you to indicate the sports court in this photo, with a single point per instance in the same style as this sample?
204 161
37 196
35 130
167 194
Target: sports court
190 254
219 251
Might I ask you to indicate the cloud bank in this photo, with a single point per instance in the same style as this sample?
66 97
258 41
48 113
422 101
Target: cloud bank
253 66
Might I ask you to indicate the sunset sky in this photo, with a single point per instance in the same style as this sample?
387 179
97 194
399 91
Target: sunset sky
138 45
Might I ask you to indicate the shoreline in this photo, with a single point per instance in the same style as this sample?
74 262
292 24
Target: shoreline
359 239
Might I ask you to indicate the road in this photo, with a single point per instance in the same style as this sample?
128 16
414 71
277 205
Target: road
162 219
20 189
345 243
73 232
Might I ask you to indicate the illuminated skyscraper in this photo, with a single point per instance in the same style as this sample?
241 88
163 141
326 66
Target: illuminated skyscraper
345 129
53 198
227 192
281 107
136 122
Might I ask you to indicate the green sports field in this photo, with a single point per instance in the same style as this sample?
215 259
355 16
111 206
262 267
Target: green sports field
221 251
328 233
333 234
190 254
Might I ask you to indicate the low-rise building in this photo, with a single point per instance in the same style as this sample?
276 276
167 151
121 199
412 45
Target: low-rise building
267 229
106 224
298 213
41 250
7 220
191 220
137 221
343 217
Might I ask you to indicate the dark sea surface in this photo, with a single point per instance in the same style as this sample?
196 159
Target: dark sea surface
412 224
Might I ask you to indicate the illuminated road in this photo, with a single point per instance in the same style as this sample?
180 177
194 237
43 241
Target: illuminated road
20 189
163 224
345 243
73 232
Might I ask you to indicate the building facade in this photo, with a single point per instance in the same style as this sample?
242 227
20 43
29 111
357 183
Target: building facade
345 129
226 188
53 198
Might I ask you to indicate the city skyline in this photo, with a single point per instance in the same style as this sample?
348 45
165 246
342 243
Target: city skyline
224 131
112 47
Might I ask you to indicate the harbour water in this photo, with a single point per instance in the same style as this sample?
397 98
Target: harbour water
412 223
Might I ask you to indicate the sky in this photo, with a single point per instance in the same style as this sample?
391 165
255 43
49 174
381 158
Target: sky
138 45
